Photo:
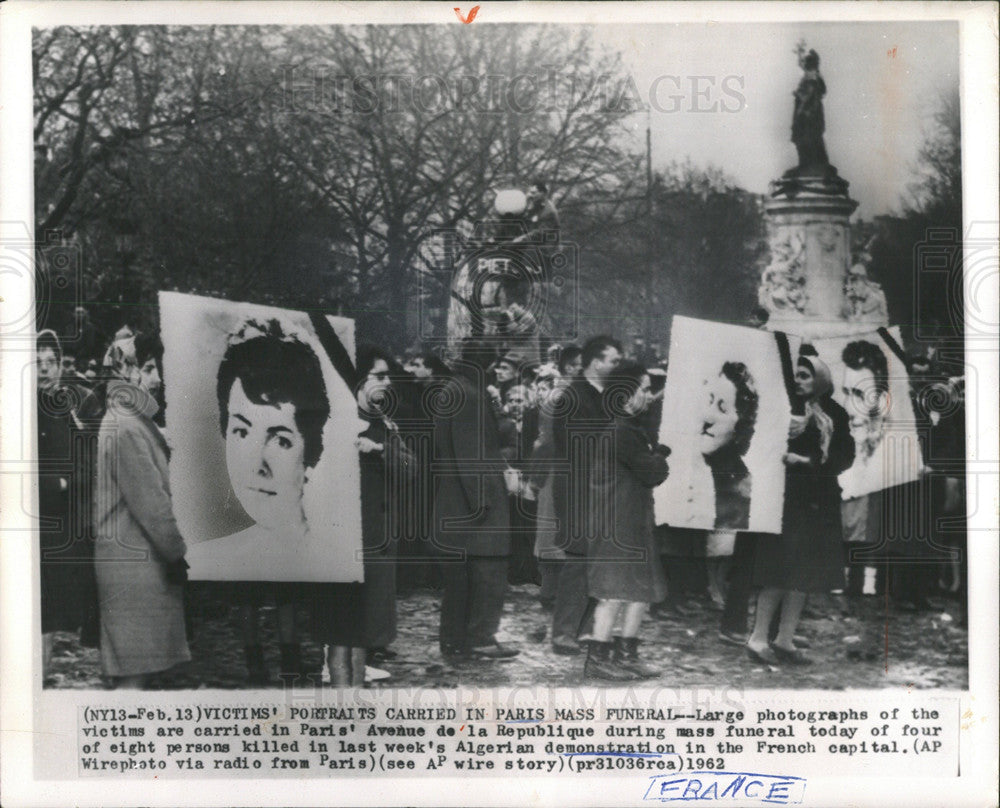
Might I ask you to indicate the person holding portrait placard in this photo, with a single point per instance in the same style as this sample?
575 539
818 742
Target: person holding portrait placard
807 556
624 574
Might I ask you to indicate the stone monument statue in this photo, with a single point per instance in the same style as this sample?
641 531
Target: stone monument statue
808 125
864 300
810 286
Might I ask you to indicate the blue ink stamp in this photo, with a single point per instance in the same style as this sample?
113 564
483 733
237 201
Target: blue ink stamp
737 788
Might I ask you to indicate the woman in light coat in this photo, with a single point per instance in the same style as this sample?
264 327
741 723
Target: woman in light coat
139 552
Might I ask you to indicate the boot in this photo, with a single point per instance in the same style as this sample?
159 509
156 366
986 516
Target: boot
599 664
626 654
291 660
256 670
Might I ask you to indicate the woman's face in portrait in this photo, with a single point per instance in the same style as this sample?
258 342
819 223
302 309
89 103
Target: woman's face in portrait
719 417
805 382
265 457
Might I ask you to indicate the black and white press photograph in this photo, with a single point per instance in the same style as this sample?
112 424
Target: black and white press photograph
486 354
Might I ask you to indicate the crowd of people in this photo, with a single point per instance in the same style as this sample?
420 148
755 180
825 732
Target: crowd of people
537 475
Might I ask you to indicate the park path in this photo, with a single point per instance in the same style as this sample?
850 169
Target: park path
849 640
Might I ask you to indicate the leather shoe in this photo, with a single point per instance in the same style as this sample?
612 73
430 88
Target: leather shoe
380 655
793 657
495 651
454 655
732 638
765 656
565 650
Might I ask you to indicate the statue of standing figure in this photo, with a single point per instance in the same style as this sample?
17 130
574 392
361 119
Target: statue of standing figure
808 125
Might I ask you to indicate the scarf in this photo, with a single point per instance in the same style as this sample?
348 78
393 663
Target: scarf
814 412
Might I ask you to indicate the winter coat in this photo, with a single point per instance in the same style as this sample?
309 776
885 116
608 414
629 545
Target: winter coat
142 612
471 512
68 418
625 565
808 556
580 437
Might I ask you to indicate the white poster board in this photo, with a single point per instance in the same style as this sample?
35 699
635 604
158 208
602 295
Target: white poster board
301 484
876 395
725 418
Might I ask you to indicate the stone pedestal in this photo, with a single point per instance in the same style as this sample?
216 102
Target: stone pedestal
810 286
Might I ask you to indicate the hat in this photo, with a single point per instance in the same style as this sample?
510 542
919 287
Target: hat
824 381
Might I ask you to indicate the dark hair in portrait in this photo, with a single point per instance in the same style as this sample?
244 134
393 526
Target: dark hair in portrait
862 355
746 404
273 369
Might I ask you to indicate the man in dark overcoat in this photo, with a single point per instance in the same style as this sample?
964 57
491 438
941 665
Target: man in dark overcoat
471 513
582 436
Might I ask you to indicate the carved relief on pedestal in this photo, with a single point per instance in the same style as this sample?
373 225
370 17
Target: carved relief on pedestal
782 285
864 300
831 242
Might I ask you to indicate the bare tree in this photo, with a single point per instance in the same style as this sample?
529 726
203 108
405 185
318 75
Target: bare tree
409 128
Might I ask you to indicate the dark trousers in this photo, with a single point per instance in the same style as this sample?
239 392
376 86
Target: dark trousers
523 525
912 581
380 600
736 609
548 570
474 590
571 598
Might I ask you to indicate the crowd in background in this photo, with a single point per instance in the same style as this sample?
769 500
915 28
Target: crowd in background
537 474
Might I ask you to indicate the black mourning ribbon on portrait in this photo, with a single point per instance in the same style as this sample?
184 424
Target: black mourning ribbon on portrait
894 346
787 368
335 349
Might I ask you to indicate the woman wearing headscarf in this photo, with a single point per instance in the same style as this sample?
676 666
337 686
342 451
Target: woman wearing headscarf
138 552
624 574
807 556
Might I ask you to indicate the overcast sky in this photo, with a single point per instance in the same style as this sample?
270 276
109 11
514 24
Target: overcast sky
878 106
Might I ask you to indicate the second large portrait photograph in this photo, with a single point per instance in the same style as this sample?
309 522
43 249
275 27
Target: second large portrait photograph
726 415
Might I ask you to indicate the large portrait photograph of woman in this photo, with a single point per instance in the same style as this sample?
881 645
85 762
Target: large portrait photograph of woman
725 417
261 425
